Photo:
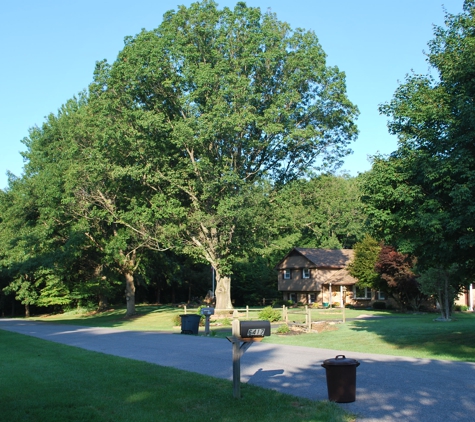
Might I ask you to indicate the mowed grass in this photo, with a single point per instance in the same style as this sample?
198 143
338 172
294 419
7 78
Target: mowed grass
46 381
397 334
412 335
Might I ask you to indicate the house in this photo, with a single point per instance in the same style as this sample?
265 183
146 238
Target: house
466 298
310 275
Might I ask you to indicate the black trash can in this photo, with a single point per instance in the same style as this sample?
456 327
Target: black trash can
190 324
341 378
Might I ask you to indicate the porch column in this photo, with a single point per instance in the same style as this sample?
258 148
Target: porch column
330 298
470 298
341 296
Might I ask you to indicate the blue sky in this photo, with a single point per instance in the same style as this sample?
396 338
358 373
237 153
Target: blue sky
50 48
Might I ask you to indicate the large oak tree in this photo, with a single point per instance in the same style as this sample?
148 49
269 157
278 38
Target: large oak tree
206 112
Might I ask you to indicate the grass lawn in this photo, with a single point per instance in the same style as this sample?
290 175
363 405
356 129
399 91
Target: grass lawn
46 381
415 335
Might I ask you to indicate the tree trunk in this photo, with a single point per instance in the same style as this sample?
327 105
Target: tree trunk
159 298
446 294
223 292
103 302
130 293
27 310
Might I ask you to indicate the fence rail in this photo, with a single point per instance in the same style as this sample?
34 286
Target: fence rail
303 317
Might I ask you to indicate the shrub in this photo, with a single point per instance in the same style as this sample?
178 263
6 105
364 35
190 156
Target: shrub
226 322
283 329
270 314
280 302
461 308
176 320
379 305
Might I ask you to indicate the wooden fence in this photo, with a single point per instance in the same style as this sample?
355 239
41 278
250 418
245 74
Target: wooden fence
301 317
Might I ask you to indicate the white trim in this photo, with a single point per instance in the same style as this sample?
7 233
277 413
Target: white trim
470 297
366 291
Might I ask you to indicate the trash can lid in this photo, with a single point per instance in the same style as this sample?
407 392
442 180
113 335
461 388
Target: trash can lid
340 360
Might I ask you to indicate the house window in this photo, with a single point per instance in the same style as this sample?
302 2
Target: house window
305 273
361 292
311 298
287 274
381 295
293 297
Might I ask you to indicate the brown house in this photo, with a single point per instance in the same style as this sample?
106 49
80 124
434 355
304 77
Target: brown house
310 275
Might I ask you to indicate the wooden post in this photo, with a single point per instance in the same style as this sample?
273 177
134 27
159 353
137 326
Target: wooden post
247 311
235 326
184 307
236 370
344 316
309 319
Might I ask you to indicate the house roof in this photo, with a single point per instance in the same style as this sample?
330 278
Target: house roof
341 278
323 258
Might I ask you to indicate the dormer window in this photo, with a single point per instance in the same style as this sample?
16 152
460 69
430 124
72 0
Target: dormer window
306 273
287 275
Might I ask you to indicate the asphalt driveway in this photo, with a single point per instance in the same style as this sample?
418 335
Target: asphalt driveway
388 388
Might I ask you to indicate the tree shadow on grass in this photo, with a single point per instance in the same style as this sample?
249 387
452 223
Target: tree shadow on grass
422 335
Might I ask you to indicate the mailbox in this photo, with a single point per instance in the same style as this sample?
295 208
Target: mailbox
253 329
207 311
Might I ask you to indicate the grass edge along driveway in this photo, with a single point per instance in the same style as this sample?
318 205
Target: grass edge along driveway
397 334
45 381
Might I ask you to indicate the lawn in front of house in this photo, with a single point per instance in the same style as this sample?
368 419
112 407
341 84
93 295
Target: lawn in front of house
398 334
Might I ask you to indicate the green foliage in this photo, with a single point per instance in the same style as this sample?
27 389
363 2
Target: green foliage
442 284
422 196
323 212
210 106
184 143
461 308
270 314
365 258
282 329
176 320
226 322
280 302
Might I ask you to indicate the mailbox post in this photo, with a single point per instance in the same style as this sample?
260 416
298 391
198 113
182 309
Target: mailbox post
244 334
207 312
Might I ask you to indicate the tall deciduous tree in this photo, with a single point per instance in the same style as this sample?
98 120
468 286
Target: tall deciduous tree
204 109
423 195
362 267
398 280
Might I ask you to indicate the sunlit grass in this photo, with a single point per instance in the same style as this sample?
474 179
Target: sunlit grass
413 335
398 334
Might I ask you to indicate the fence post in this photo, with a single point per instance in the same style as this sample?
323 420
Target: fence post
235 325
344 316
309 318
184 307
247 311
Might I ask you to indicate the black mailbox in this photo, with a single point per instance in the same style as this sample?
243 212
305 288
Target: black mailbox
207 311
252 329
